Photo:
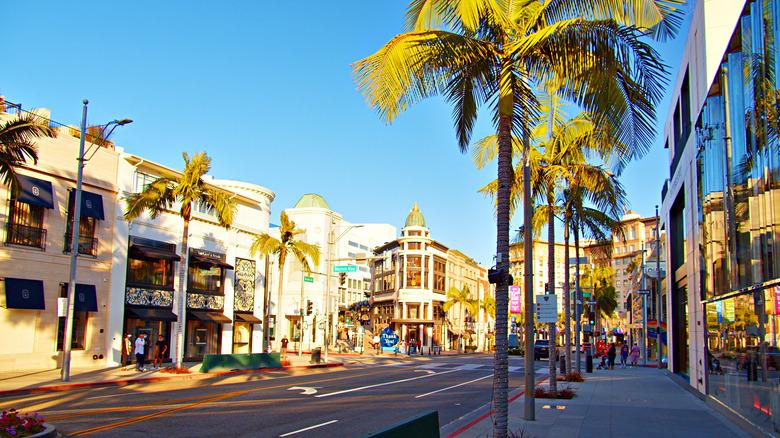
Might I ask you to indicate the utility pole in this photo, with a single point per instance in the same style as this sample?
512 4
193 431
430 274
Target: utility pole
300 331
644 310
658 285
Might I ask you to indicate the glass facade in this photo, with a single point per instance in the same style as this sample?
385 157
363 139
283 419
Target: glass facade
738 170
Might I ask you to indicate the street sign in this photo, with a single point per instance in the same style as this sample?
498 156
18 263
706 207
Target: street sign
591 303
587 328
344 268
515 299
643 291
546 308
586 294
308 279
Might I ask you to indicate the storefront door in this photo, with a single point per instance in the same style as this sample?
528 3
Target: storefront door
152 329
242 337
203 337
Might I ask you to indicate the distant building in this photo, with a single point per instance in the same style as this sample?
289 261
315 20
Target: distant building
540 268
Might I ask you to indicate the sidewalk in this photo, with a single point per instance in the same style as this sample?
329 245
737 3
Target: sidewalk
19 382
634 402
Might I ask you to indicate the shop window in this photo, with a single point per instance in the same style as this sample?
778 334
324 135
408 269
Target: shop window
25 225
87 242
78 342
206 280
156 273
413 271
413 245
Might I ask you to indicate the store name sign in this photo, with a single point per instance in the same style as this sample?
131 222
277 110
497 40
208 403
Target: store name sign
514 299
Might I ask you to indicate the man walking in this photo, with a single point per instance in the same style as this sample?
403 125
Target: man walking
160 348
285 341
140 351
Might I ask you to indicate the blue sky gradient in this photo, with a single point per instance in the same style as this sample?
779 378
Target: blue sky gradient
266 89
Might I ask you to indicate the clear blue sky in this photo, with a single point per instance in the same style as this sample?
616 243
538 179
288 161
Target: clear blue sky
266 89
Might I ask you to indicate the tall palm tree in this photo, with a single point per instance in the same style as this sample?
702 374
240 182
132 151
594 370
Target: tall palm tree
462 299
289 243
476 52
167 192
17 145
600 279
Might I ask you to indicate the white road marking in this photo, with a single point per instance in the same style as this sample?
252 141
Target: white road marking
453 386
512 369
308 428
425 371
384 384
113 395
469 366
307 390
435 365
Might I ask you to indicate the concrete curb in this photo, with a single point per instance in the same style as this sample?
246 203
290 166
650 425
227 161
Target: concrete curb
126 382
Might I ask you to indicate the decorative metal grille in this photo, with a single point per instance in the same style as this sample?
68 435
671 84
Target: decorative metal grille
148 297
204 301
244 289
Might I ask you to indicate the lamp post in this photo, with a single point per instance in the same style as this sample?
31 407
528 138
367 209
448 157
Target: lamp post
74 231
658 286
328 269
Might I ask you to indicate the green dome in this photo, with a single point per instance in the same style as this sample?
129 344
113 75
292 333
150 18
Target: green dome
312 200
415 218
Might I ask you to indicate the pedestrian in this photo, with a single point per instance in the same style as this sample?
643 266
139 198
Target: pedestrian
127 350
140 352
160 348
377 344
611 353
285 341
623 354
419 346
634 354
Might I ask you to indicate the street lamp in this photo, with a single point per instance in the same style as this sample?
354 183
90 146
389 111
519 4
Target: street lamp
74 230
327 280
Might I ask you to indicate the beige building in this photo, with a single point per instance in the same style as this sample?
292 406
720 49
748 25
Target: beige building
463 271
35 259
540 268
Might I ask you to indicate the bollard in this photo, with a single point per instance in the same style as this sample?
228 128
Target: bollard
562 360
588 363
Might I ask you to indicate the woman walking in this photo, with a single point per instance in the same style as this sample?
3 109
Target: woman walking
623 354
611 353
634 355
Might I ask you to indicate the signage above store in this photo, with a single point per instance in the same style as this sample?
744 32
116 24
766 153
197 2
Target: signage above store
344 268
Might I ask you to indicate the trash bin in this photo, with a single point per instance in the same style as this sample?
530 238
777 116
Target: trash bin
316 355
562 361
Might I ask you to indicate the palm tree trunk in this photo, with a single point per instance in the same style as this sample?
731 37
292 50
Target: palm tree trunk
567 292
501 360
529 410
551 286
578 296
182 321
279 314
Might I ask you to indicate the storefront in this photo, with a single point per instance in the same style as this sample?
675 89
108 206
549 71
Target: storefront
205 303
149 290
244 305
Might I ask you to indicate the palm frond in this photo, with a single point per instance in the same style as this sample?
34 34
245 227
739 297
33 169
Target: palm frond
223 203
157 197
264 244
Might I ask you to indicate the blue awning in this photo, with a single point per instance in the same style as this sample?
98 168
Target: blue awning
86 298
35 191
24 294
91 204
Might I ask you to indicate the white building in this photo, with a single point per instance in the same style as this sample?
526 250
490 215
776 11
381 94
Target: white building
350 243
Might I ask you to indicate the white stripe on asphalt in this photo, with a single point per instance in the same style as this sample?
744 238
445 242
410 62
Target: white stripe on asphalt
469 366
434 365
512 369
309 428
384 384
453 386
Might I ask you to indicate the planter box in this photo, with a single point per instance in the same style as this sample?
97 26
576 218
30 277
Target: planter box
230 362
48 432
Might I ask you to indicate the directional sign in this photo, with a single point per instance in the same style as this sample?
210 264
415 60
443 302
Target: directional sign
643 291
307 390
344 268
546 308
591 303
308 279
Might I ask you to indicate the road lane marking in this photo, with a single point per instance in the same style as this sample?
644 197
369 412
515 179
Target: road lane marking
309 428
384 384
425 371
453 386
307 390
469 366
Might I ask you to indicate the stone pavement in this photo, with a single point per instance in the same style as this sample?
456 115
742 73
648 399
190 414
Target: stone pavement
633 402
41 380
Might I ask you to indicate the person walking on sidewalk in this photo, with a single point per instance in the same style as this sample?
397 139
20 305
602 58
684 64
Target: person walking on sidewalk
634 354
611 353
127 350
623 354
160 348
285 341
140 352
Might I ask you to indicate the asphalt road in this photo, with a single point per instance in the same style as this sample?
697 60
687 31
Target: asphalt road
366 395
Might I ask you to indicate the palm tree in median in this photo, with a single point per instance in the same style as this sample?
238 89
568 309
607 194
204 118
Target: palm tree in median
167 192
17 145
462 299
288 244
476 52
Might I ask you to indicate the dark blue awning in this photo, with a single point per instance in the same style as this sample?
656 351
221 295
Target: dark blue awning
91 204
24 294
86 298
35 191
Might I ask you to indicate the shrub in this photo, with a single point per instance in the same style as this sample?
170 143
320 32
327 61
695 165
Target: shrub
285 362
515 351
16 425
564 394
573 376
174 370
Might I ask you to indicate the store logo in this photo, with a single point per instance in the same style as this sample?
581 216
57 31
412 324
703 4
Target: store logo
81 298
36 191
88 203
26 294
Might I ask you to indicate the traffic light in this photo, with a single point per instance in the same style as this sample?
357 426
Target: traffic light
546 288
500 277
308 307
342 278
592 318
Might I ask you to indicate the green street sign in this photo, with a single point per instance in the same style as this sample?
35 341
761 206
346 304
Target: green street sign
345 268
307 279
586 294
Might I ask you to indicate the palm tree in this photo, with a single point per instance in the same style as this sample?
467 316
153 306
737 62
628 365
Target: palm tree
476 52
167 192
288 243
462 299
17 137
600 279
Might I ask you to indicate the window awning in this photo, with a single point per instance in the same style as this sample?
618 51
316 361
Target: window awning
86 298
210 316
24 294
91 204
153 314
152 253
199 260
35 191
248 317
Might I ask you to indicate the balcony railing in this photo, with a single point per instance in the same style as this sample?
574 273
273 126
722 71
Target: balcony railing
87 245
23 235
